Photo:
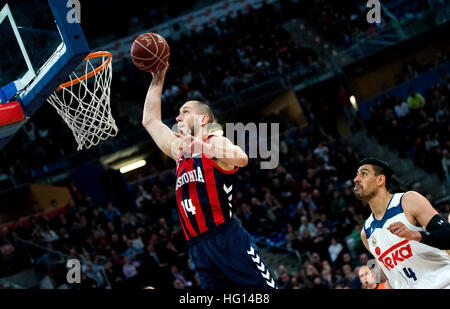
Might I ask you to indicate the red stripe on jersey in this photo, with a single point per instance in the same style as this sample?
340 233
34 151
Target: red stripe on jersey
194 197
212 190
222 170
182 226
180 206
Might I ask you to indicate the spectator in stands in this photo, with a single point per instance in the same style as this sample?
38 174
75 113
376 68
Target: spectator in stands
143 197
355 282
137 240
335 249
401 109
310 274
307 226
113 274
431 141
93 271
347 259
118 244
111 212
319 283
284 282
306 202
321 240
87 283
97 216
176 275
415 100
348 273
363 259
338 205
130 268
132 252
316 261
49 235
248 219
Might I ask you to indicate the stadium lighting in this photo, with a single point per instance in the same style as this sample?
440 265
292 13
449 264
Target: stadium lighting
353 101
132 166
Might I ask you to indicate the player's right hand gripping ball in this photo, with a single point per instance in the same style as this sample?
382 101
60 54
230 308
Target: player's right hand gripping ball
150 52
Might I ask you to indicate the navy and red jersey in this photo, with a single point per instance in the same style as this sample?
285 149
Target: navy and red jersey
204 193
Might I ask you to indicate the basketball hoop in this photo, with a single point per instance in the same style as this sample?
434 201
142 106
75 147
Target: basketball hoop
84 101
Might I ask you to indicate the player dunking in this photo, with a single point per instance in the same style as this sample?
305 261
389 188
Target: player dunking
222 252
404 233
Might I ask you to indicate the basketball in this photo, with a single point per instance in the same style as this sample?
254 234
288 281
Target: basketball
150 52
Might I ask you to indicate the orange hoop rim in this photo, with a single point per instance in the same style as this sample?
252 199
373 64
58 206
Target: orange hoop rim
91 73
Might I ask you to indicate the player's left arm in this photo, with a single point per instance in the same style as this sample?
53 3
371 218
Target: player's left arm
221 149
225 153
419 209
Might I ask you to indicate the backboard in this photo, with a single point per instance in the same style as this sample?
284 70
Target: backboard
41 43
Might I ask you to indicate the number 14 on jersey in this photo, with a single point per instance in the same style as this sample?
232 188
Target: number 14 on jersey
188 206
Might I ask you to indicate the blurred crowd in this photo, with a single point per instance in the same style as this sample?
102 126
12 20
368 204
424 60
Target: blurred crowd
417 126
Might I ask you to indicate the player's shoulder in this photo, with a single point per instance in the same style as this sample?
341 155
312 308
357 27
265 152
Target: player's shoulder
412 196
413 201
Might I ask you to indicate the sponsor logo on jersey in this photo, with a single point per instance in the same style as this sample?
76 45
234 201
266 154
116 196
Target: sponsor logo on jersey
191 176
395 254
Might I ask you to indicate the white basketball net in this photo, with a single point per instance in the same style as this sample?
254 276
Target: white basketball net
85 106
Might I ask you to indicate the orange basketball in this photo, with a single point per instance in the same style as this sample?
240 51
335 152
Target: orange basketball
150 52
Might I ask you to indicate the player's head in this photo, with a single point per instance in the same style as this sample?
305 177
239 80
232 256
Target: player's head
195 114
367 278
372 175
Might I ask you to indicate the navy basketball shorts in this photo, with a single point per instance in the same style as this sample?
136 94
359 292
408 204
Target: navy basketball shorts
230 259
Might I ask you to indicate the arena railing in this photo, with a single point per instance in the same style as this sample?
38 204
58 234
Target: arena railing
58 260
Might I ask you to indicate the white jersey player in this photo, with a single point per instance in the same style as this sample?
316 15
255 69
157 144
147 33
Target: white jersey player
404 233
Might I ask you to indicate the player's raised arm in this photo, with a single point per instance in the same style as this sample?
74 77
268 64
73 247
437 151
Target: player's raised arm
164 138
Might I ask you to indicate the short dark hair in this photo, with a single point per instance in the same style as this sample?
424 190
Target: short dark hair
204 108
380 167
